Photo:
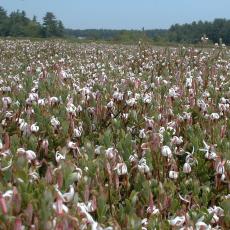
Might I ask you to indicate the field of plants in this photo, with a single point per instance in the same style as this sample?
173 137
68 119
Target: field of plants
102 137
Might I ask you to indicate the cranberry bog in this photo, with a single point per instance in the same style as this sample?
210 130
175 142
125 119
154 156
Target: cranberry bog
98 136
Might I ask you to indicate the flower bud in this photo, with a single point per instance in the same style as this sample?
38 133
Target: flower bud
3 204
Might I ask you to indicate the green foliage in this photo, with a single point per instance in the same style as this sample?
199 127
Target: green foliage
17 24
51 26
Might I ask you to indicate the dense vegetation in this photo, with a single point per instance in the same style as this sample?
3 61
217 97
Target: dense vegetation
17 24
187 33
116 35
191 33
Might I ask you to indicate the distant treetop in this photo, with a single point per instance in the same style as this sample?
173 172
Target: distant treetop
17 24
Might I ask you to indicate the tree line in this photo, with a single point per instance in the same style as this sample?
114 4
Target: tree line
17 24
186 33
192 33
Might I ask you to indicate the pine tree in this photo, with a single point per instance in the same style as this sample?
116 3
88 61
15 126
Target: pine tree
50 25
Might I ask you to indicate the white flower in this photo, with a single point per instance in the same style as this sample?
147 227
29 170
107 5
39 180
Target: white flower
125 116
8 194
188 82
200 225
110 105
79 108
209 151
45 144
71 108
133 158
34 128
143 167
84 209
59 207
218 210
59 157
77 174
220 169
215 218
30 155
131 102
171 130
173 92
177 221
186 116
142 134
77 132
90 206
8 114
41 102
110 153
166 151
6 101
190 159
227 196
121 169
187 168
202 105
21 151
223 100
1 145
72 145
214 116
53 100
54 122
118 96
144 221
223 178
147 99
68 196
24 126
33 97
153 210
173 174
33 176
97 150
223 107
162 130
63 74
177 140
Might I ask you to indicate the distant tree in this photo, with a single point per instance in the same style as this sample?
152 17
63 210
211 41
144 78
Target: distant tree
50 25
4 21
60 29
17 24
34 19
33 29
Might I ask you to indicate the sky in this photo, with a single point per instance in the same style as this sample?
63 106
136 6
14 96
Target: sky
122 14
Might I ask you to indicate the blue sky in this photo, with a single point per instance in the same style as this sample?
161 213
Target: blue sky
123 14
